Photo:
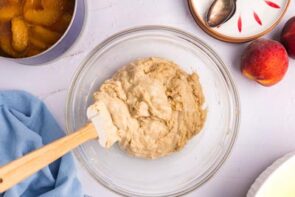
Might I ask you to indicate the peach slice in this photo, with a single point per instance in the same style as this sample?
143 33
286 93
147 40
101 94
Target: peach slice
20 34
8 12
45 34
54 5
42 17
31 4
39 44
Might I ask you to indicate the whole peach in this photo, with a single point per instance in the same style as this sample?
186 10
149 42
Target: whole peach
288 36
265 61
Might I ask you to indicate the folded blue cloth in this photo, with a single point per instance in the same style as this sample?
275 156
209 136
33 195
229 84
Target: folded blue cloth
26 124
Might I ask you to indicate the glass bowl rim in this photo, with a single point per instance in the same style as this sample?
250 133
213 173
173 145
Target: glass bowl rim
212 55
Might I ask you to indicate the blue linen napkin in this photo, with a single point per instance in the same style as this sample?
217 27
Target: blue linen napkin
26 124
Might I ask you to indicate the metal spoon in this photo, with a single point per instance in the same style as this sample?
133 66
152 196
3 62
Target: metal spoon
220 11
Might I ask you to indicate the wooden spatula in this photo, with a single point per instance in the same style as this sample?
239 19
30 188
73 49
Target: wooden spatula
17 170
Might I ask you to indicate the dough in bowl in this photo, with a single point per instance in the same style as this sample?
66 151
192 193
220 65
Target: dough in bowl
150 106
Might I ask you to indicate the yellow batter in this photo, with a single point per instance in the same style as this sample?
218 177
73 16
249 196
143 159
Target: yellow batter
151 107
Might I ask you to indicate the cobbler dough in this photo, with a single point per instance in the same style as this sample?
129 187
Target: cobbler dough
151 107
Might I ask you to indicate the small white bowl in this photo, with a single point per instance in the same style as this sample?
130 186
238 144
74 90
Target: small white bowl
278 180
251 20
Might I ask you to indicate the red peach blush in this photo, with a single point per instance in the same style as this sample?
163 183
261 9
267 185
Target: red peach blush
265 61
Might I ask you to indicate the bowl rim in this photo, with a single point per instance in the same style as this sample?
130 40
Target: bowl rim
210 52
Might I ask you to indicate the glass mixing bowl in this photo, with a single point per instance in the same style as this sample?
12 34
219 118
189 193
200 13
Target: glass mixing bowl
179 172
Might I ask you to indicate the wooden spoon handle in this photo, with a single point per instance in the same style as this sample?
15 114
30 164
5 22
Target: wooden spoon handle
17 170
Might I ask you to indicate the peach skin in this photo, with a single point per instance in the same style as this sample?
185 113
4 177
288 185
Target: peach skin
265 61
288 37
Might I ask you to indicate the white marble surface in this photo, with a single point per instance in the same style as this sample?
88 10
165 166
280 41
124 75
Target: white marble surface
267 129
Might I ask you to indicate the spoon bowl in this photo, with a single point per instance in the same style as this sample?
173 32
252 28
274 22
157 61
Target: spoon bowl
220 11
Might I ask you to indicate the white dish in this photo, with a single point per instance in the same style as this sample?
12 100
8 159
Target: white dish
252 19
278 180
